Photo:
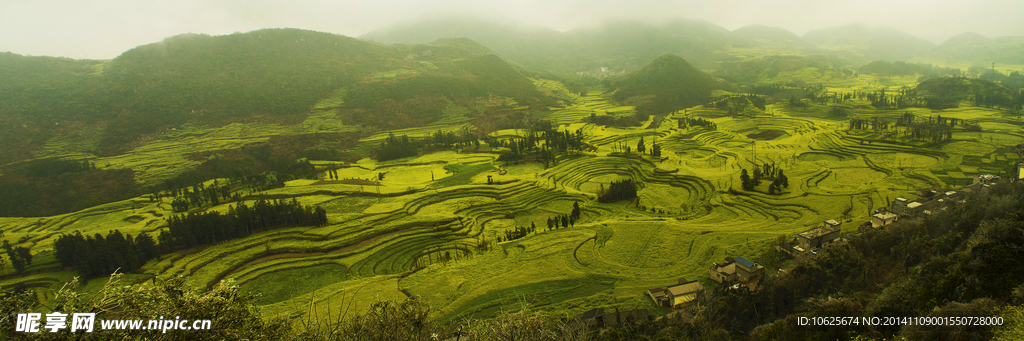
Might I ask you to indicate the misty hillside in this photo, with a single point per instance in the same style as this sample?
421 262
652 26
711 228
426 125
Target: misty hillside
273 75
667 84
624 45
772 36
869 43
976 48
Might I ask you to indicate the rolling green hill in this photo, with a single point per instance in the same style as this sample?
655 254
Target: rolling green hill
667 84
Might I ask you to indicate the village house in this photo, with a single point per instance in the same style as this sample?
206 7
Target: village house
677 296
819 237
883 219
986 179
736 270
899 206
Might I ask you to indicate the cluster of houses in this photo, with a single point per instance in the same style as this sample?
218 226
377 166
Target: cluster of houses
742 272
737 272
931 199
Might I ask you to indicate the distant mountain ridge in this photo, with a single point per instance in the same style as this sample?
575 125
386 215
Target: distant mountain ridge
628 45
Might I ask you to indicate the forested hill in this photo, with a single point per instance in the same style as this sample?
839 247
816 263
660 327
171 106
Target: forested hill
667 84
273 75
278 72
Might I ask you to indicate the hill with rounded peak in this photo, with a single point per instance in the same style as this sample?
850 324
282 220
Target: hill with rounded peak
667 84
960 41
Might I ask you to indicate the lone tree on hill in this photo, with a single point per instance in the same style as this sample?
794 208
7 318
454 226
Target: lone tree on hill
745 181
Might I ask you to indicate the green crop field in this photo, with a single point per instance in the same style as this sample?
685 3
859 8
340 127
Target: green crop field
431 227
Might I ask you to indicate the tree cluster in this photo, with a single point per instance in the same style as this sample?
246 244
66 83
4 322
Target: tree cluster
618 190
199 196
20 256
932 128
96 255
451 138
396 148
54 167
194 229
764 172
687 122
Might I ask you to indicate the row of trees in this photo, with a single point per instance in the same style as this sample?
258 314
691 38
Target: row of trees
450 138
687 122
194 229
99 256
96 255
199 196
397 147
934 129
555 142
54 167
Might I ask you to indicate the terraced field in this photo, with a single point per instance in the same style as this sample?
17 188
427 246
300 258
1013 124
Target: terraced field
431 227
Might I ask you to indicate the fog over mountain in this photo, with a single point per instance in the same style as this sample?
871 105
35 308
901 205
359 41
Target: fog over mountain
104 29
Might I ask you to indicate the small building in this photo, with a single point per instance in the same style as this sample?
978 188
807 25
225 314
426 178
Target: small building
736 270
986 179
883 219
677 296
818 237
659 296
916 208
681 295
899 206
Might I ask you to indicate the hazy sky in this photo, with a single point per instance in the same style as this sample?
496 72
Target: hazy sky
104 29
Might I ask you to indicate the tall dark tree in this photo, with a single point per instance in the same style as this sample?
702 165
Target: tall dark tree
745 181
